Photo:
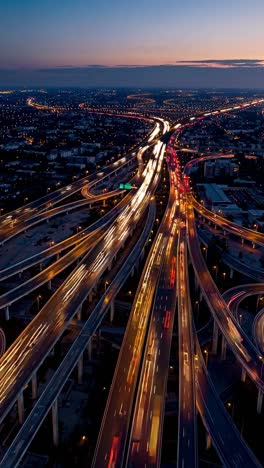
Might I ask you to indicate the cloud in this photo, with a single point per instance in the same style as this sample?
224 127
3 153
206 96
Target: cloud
230 63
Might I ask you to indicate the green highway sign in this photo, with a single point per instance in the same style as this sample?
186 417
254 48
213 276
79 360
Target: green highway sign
126 186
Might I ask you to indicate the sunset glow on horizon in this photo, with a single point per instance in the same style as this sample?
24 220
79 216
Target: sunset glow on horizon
80 33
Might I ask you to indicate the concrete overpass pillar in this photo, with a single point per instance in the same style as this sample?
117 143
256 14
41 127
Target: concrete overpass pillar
49 284
215 338
20 408
55 423
112 311
7 316
20 274
57 256
98 341
223 348
142 253
132 272
79 314
80 370
104 202
90 349
34 386
40 267
236 312
243 375
258 299
259 402
90 297
200 296
231 273
208 441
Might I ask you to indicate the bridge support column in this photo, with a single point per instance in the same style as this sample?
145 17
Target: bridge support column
208 441
132 272
57 256
79 314
7 316
90 297
55 423
47 220
142 254
20 274
196 284
112 311
258 299
231 273
40 267
242 241
34 386
223 348
104 202
98 348
49 284
243 375
90 349
80 370
259 402
20 408
235 312
215 338
200 296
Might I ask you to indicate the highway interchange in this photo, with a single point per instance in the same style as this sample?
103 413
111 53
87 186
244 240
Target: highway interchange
132 424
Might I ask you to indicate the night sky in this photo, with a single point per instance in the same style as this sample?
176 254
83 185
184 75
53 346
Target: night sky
58 42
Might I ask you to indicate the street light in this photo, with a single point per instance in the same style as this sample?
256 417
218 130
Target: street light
205 251
106 284
206 357
262 362
216 271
